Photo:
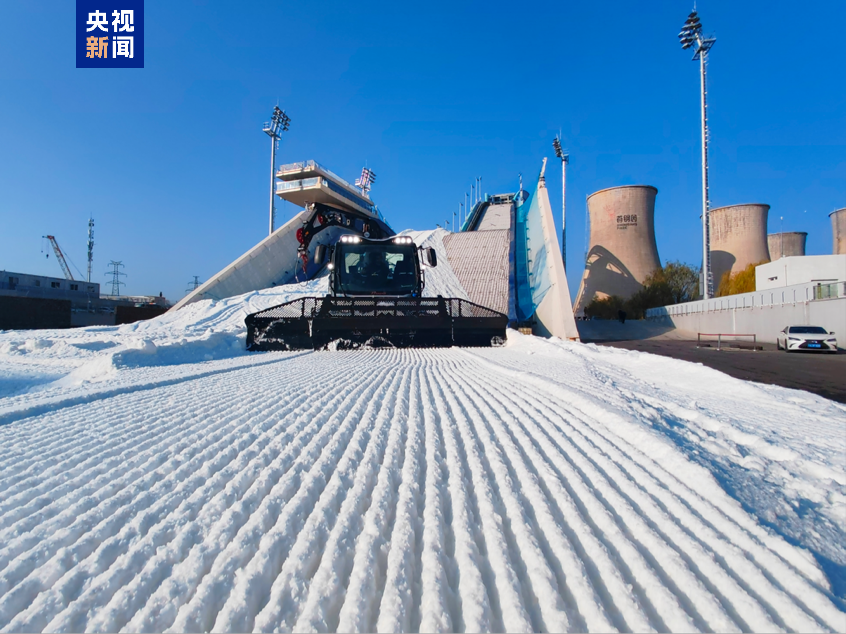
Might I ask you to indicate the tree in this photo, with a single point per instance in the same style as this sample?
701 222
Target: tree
605 308
741 282
650 296
675 283
681 280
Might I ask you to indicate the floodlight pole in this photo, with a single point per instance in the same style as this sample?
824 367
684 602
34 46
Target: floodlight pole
706 201
564 161
279 123
691 36
273 144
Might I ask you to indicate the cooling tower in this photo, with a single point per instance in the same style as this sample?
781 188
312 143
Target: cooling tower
786 244
622 249
838 230
738 238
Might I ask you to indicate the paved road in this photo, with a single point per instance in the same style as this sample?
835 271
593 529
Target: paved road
822 374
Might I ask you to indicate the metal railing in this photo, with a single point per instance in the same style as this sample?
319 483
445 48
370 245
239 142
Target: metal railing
319 181
830 291
282 186
720 335
797 294
302 165
311 165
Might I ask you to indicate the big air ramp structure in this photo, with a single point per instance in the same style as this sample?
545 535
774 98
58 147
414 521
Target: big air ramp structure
508 258
622 250
838 231
332 207
738 238
786 244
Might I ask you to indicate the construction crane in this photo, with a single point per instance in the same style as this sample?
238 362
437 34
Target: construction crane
60 257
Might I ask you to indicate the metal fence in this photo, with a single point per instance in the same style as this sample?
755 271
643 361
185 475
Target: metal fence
797 294
830 291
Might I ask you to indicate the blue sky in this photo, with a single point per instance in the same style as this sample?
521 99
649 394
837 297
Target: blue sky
172 162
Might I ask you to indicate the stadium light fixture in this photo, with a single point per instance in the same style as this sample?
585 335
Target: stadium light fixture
366 180
691 36
279 122
565 159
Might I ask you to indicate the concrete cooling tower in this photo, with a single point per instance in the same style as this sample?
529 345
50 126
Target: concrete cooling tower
838 230
738 239
786 244
622 249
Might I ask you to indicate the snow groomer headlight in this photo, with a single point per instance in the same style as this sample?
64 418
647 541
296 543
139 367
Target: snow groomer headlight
403 240
349 238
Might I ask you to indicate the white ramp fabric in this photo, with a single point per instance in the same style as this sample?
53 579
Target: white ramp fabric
480 262
496 217
554 314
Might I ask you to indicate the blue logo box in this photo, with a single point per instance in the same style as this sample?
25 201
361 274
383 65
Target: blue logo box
109 34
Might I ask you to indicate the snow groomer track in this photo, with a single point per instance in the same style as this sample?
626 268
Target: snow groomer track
546 486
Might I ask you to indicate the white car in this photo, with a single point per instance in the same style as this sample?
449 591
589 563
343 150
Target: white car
813 338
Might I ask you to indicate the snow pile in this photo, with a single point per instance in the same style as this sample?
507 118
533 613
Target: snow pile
156 477
202 331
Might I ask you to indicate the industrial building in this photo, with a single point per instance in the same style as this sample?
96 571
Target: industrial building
41 286
807 269
838 231
738 238
622 250
786 244
40 301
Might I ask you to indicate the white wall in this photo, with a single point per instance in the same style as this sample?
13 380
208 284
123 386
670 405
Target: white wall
800 269
763 314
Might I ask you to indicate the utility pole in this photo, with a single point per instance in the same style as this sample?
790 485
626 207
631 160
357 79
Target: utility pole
565 160
116 273
90 246
691 36
279 123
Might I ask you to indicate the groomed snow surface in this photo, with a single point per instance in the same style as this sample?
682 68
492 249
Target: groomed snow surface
156 477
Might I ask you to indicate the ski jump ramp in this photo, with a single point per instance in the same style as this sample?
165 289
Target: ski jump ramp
507 256
537 291
276 260
272 262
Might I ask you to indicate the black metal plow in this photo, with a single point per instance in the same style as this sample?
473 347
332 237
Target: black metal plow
316 322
